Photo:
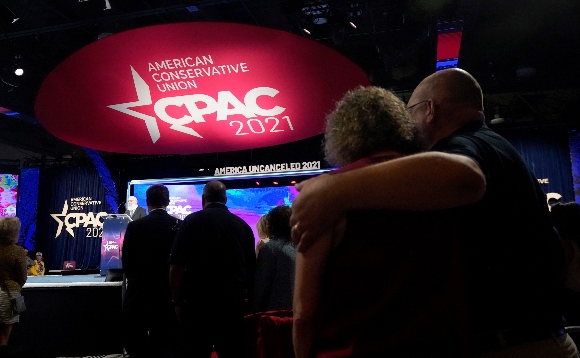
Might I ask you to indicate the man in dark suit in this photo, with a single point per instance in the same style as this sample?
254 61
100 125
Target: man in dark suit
217 248
133 210
150 324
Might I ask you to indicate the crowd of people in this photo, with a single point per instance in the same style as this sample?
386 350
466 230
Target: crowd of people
406 250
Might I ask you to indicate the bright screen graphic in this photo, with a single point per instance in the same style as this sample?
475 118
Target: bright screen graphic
195 87
247 203
8 194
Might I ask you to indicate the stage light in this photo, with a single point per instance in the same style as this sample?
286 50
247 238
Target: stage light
257 183
307 32
11 76
352 24
17 66
293 182
275 182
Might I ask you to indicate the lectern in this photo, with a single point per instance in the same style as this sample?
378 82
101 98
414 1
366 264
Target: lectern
114 226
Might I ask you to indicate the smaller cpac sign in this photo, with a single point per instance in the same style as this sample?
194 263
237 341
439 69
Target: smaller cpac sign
192 88
90 221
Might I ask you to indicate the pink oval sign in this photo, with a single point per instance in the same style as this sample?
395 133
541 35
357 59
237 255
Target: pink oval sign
191 88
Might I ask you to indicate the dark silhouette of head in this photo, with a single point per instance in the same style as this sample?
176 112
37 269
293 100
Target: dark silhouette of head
9 230
157 196
279 221
214 192
566 219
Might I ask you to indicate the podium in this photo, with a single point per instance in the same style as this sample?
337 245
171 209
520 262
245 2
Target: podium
114 226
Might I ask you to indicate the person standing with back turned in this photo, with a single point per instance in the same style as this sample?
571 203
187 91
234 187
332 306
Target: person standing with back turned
513 254
150 325
212 270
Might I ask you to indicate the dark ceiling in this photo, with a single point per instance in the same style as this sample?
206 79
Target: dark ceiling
523 52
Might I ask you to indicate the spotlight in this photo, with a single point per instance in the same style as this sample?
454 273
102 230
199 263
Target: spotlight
17 66
306 31
12 75
352 24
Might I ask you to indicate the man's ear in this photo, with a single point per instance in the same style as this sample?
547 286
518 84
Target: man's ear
432 111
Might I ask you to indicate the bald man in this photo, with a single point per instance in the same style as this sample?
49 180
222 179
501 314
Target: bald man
134 210
217 249
512 253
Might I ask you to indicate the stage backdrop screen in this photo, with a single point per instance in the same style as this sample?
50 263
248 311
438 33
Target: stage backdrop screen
248 203
8 194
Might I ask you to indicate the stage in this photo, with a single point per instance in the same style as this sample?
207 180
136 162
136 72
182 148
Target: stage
71 315
68 280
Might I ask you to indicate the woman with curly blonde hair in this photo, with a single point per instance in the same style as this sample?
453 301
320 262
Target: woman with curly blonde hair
12 274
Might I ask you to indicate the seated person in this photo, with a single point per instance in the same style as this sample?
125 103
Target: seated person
37 268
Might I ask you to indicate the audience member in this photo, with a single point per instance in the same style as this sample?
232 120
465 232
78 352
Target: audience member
134 210
274 280
12 274
264 236
566 218
390 284
150 325
512 249
217 249
38 267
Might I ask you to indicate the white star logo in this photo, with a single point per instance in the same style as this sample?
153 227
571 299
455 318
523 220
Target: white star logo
60 222
143 99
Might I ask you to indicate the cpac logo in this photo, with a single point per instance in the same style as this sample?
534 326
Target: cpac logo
178 209
74 220
249 108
